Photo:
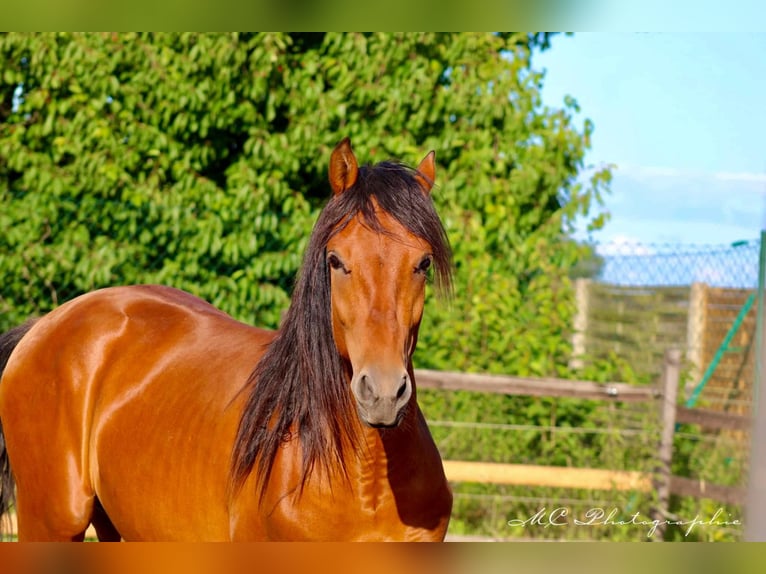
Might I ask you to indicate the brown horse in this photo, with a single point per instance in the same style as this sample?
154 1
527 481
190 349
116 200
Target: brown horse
154 416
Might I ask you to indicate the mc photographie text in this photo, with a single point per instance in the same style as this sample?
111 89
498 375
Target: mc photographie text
563 517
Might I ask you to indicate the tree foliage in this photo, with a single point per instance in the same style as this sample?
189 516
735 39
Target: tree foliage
199 161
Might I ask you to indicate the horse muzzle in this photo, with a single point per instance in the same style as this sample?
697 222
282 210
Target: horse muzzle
381 397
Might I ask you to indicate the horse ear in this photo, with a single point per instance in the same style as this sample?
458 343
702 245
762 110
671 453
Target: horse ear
343 167
426 174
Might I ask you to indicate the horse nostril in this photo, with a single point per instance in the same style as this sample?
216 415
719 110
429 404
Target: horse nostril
366 392
402 388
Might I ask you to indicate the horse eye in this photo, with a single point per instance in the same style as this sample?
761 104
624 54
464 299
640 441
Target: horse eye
424 265
335 262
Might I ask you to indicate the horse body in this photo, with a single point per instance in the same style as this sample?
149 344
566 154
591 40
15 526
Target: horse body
120 409
133 376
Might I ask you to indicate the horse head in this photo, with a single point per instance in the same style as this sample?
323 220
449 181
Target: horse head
378 269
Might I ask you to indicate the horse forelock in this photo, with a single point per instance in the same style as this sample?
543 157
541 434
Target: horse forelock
301 384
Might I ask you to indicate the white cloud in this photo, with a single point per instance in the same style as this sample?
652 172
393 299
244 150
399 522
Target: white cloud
744 176
643 172
623 245
651 172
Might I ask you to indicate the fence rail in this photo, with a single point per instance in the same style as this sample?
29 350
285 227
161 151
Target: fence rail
588 478
532 386
567 388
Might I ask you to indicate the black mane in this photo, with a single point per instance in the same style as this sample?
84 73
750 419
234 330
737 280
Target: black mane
302 383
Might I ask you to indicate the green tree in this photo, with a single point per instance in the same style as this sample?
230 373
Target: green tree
199 160
590 265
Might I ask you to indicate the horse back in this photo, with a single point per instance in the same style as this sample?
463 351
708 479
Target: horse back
130 395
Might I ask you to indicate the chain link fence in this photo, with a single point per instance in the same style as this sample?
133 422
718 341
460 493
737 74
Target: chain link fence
639 301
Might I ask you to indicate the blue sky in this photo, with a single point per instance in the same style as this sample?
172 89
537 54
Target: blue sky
666 15
683 117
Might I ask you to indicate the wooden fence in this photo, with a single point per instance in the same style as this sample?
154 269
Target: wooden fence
638 323
665 394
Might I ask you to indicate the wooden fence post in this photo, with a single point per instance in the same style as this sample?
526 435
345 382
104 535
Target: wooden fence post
695 329
671 368
579 338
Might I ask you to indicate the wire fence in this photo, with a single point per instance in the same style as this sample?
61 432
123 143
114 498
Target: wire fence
733 265
640 301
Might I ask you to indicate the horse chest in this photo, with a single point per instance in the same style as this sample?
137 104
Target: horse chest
382 499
